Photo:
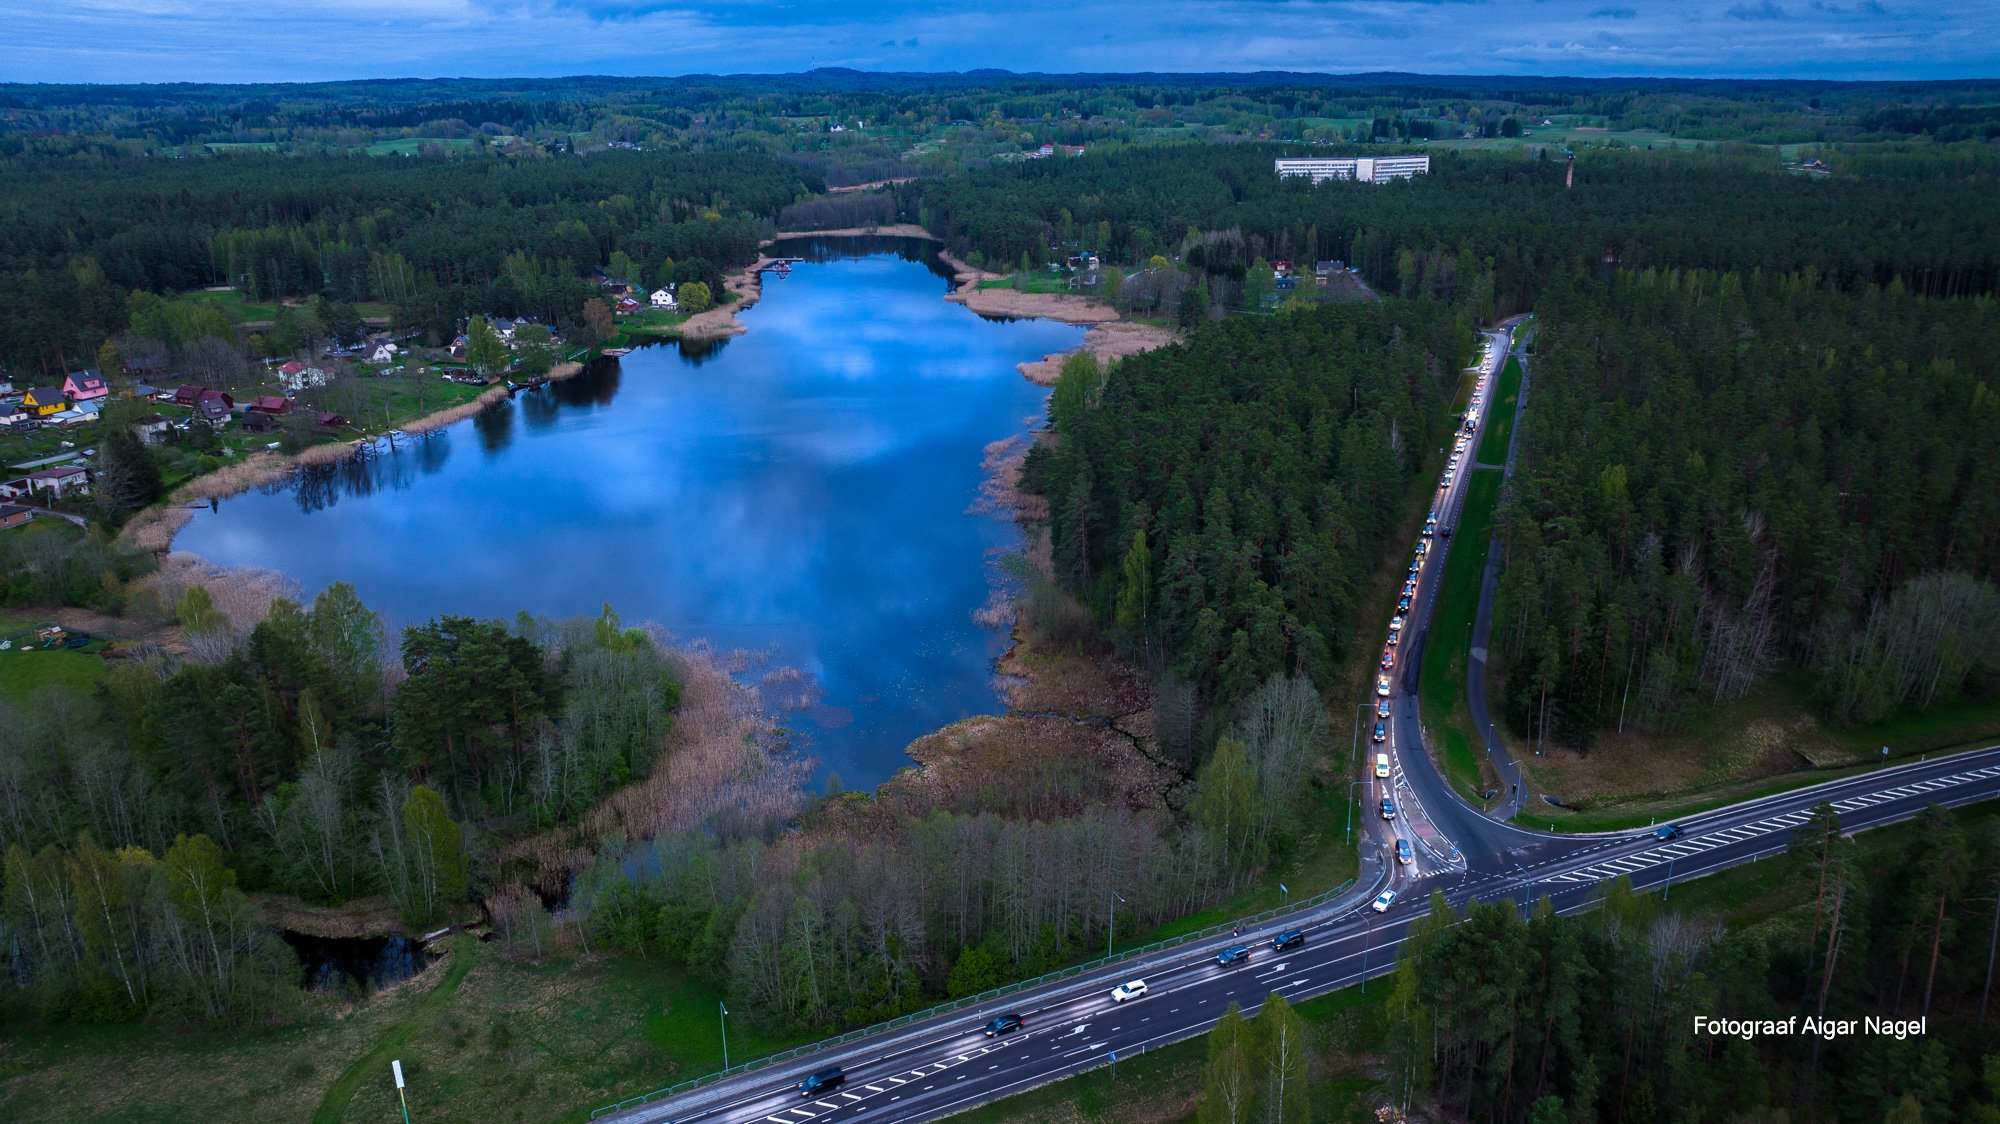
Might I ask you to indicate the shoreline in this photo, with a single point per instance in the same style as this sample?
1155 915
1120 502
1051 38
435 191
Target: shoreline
154 529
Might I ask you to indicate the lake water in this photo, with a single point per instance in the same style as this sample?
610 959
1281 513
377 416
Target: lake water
804 491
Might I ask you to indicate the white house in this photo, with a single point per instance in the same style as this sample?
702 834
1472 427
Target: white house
61 481
385 352
664 298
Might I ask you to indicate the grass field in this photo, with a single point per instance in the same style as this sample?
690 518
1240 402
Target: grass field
243 311
1029 283
1572 136
25 670
409 146
1447 652
1500 415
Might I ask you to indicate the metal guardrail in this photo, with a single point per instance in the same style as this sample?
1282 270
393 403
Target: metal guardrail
1071 972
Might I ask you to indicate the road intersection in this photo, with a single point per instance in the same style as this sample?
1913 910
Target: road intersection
947 1064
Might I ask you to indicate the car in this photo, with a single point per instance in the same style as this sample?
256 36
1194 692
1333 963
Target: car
1388 808
1382 765
1403 852
823 1081
1383 901
1382 708
1453 462
1290 938
1668 831
1393 637
1381 732
1382 686
1002 1024
1388 658
1446 532
1131 989
1234 954
1396 623
1433 516
1430 527
1423 547
1410 588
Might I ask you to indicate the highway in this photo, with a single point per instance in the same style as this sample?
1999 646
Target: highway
933 1069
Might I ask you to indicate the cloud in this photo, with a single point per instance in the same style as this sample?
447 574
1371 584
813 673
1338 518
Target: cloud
317 40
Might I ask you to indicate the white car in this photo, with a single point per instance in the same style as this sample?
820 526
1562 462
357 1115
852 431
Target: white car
1382 766
1395 624
1382 685
1132 989
1383 901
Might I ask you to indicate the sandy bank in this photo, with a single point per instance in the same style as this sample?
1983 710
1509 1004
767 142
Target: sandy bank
1109 340
748 286
891 230
154 529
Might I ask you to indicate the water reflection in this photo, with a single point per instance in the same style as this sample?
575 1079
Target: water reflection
802 494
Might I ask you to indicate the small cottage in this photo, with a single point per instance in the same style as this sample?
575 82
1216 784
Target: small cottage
84 385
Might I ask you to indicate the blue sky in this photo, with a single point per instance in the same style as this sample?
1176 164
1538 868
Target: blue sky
315 40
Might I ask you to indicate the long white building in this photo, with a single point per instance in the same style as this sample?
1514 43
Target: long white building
1368 169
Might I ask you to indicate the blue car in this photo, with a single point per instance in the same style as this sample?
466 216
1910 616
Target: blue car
1234 954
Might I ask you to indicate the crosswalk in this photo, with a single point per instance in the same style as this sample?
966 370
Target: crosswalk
1739 833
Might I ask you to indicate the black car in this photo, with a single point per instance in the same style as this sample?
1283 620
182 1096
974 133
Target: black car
1381 733
1403 604
1670 831
1003 1024
1290 938
1388 808
1234 954
823 1081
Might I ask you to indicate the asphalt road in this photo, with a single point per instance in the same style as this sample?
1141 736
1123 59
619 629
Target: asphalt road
945 1065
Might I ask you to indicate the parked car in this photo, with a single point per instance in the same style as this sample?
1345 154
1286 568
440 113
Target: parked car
1131 989
1290 938
823 1081
1383 901
1234 954
1002 1024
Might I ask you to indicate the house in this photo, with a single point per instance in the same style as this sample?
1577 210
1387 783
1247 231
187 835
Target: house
13 515
271 404
78 413
385 352
63 480
84 385
664 298
292 369
41 401
214 407
1325 268
628 305
14 489
505 328
327 419
153 428
147 392
257 421
12 413
189 394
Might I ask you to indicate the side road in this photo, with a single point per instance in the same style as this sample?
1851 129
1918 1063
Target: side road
1511 790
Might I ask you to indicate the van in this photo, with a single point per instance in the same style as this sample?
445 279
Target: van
826 1080
1382 766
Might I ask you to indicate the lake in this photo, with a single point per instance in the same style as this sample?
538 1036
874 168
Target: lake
805 491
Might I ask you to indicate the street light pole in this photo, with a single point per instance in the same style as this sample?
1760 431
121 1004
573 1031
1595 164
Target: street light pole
725 1035
1111 909
1669 891
1351 786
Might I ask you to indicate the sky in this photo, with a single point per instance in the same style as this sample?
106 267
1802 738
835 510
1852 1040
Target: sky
323 40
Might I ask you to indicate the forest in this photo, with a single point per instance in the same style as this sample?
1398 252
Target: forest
1726 473
435 239
1218 504
1486 231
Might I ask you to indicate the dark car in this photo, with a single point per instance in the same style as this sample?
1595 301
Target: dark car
1290 938
823 1081
1670 831
1382 708
1447 532
1381 733
1402 604
1234 954
1003 1024
1388 808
